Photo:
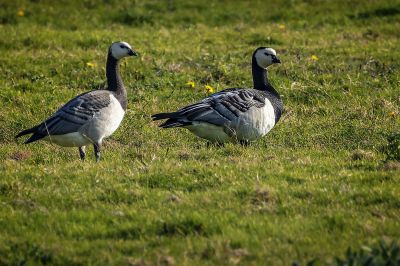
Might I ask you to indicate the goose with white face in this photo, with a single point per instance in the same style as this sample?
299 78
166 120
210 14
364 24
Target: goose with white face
121 49
235 114
90 117
266 57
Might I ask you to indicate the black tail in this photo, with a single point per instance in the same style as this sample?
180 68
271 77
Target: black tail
36 135
162 116
172 121
27 131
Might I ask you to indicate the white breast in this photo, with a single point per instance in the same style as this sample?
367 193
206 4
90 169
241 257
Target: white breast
111 116
105 122
256 122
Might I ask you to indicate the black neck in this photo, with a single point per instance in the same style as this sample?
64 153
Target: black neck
114 80
260 79
260 82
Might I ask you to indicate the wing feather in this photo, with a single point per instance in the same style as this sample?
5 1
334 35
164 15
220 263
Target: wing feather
74 114
222 108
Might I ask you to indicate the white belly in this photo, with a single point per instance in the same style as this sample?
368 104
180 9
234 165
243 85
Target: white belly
74 139
209 131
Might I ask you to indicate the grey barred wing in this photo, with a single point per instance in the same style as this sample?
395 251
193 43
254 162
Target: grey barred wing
75 113
222 108
237 100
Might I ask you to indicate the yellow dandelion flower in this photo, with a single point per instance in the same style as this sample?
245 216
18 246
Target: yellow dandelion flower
209 89
392 114
314 57
91 65
190 84
281 26
20 13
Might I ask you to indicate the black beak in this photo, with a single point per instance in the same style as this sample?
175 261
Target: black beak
132 53
276 60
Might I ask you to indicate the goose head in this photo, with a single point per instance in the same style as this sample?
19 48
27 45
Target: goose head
265 57
120 50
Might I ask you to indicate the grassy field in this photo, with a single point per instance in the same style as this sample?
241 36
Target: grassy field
322 181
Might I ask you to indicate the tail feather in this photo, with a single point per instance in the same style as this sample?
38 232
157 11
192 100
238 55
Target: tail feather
26 132
173 120
162 116
174 123
36 135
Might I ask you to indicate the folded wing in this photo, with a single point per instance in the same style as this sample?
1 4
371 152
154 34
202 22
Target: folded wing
221 109
70 117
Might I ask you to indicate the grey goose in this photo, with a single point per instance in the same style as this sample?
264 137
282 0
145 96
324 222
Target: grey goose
235 114
91 116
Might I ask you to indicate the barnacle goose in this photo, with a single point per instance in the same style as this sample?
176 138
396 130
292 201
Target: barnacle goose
236 114
91 116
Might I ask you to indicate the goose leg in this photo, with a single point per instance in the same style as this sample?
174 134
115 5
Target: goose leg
215 144
97 147
220 144
82 153
244 142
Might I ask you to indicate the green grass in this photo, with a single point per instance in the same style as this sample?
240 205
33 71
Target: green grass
318 184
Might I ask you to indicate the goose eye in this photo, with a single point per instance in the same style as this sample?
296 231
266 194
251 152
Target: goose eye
122 46
266 53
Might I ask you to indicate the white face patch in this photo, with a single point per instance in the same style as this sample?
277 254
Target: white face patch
264 57
120 49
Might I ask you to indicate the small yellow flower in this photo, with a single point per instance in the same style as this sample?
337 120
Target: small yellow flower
190 84
91 65
209 89
392 114
314 57
376 80
20 13
281 26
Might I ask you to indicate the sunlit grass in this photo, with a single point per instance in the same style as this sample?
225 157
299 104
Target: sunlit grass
325 179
